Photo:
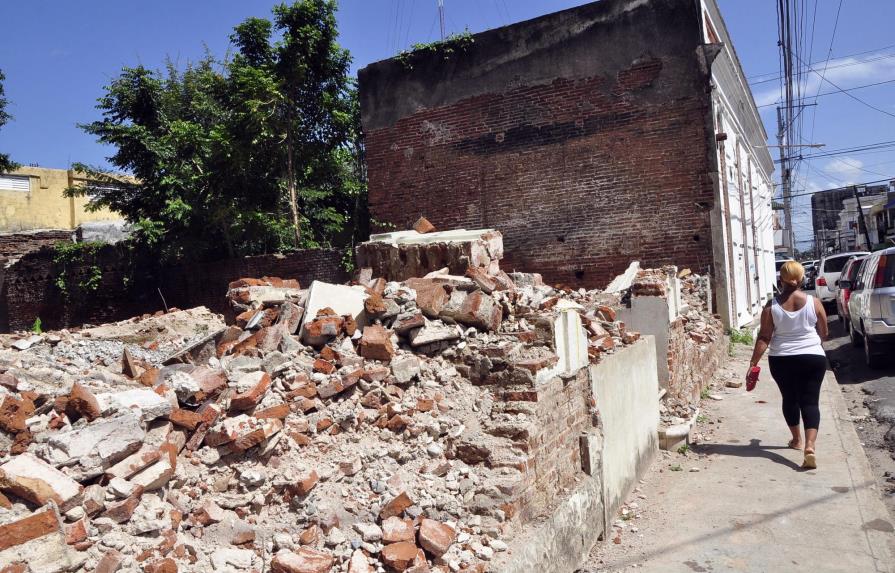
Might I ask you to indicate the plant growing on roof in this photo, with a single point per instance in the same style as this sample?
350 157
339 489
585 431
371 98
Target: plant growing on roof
450 46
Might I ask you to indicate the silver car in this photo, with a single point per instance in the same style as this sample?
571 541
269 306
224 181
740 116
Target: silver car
872 306
828 273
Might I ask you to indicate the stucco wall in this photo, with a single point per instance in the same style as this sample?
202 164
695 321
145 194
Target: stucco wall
625 387
627 393
43 206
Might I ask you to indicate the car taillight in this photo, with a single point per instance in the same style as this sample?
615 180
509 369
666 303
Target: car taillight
880 278
846 296
821 281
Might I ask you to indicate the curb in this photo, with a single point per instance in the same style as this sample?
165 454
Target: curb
881 543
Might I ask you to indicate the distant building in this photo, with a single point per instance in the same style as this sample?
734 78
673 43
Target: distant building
32 198
781 234
832 232
851 225
615 131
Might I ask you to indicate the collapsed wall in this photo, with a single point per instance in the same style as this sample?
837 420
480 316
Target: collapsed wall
428 424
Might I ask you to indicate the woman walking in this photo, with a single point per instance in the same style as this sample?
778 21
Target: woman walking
793 325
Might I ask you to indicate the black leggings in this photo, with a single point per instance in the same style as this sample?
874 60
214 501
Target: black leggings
799 377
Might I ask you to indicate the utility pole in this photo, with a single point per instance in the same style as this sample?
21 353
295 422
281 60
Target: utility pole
861 221
785 182
441 17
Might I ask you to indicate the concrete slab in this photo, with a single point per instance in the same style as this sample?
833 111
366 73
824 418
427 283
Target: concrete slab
341 298
751 507
414 238
624 280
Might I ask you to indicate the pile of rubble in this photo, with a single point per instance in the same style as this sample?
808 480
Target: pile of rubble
332 428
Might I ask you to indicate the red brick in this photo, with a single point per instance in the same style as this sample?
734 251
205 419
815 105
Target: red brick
376 344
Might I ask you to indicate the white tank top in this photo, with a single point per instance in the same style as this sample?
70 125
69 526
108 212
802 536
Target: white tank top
794 332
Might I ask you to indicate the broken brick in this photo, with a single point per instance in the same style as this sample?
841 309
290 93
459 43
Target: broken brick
436 537
23 530
302 560
13 413
399 556
376 344
252 388
82 404
431 296
423 226
396 506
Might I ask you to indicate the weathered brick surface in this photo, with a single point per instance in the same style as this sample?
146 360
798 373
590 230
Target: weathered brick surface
583 162
13 245
29 291
691 366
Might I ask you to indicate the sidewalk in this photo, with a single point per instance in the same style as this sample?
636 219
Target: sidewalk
750 507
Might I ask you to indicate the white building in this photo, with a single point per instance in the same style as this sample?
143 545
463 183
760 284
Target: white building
850 230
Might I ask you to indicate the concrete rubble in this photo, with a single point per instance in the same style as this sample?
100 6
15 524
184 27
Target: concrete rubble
354 428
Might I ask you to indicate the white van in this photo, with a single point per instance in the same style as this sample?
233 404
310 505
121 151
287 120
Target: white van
825 286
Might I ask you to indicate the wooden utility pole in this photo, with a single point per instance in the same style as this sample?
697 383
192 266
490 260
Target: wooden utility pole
861 221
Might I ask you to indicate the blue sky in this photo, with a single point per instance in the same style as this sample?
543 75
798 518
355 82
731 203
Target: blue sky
57 56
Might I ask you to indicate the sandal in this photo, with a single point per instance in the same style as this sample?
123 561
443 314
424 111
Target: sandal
795 445
810 461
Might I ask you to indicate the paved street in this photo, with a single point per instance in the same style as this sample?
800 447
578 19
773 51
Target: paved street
850 369
738 500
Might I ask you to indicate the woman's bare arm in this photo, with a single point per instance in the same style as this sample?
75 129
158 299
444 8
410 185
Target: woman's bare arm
823 329
764 335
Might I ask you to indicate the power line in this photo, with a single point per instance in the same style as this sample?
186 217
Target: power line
838 92
856 98
833 67
857 149
871 51
864 184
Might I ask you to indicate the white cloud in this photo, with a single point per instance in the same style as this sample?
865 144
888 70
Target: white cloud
844 72
845 169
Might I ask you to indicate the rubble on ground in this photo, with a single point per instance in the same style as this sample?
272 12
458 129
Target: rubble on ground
329 428
699 330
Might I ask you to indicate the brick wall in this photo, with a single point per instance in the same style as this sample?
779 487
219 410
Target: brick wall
692 365
29 291
13 245
554 451
531 438
583 136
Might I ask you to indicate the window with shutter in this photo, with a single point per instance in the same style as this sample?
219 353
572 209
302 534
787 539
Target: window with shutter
15 183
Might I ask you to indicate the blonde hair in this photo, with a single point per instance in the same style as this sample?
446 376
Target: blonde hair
792 273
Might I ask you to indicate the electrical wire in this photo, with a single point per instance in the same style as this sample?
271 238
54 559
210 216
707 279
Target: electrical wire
838 91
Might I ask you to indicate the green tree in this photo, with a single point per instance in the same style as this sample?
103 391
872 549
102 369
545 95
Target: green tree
6 164
307 104
255 154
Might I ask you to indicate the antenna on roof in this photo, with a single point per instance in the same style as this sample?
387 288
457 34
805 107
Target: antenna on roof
441 17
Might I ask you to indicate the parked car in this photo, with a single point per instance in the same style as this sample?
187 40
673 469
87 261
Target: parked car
843 293
830 268
871 307
810 273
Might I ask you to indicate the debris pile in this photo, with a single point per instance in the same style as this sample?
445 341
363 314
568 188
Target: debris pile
357 428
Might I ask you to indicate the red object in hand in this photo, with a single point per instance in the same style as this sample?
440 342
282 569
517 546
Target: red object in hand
752 378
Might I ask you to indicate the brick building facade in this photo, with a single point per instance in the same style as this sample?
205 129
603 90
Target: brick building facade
615 131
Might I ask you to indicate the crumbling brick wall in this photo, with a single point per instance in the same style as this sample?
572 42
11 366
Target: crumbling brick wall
554 452
691 363
583 135
13 245
28 287
532 434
